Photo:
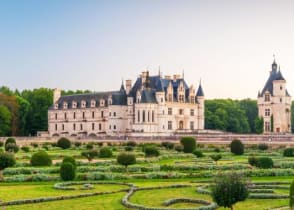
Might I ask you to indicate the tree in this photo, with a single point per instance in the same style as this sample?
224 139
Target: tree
189 144
41 158
259 125
229 189
6 160
105 152
291 195
265 162
5 121
126 159
216 157
63 143
237 147
69 159
23 110
90 154
67 171
251 111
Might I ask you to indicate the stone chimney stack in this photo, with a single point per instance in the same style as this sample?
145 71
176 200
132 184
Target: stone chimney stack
128 86
56 95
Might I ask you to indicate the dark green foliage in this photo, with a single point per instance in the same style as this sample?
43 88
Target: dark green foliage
63 143
89 146
131 143
10 141
288 152
6 160
291 195
69 159
179 148
67 171
262 146
41 158
78 144
259 125
129 148
189 144
167 145
237 147
216 157
105 152
198 153
35 145
217 149
90 154
126 159
265 162
253 161
25 148
1 144
151 151
229 189
5 121
11 147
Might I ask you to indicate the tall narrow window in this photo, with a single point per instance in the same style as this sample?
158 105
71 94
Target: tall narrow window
74 115
169 125
148 116
93 126
170 111
74 126
192 112
93 114
138 116
267 126
192 125
55 116
152 116
267 97
267 112
102 114
65 116
83 115
63 127
81 126
99 126
143 116
56 127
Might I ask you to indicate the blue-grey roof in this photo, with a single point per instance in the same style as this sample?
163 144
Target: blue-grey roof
200 91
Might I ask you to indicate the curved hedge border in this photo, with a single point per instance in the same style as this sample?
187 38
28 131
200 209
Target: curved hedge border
189 200
68 185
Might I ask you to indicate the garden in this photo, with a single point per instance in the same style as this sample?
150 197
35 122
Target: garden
182 175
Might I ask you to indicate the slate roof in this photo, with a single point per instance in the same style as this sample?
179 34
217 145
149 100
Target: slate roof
200 91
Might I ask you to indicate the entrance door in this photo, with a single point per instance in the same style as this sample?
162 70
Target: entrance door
181 125
278 130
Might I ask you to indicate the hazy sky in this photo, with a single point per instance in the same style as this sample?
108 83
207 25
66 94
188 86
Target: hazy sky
92 44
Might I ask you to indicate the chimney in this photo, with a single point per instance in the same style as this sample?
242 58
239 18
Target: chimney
143 77
128 86
56 95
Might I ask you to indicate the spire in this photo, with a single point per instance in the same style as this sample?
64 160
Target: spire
183 74
274 65
159 73
200 91
122 87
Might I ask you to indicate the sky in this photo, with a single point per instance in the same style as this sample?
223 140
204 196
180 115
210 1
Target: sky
92 44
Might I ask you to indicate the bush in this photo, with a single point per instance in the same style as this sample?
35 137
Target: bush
262 147
217 149
151 151
35 145
288 152
189 144
179 148
41 158
78 144
63 143
237 147
216 157
105 152
89 146
198 153
11 147
167 145
1 144
253 161
67 171
70 159
25 148
126 159
229 189
6 160
90 154
129 148
265 162
10 141
131 143
291 195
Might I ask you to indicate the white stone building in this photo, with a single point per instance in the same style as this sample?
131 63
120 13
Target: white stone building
274 103
153 106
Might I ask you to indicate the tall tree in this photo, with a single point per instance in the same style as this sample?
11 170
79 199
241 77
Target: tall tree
5 121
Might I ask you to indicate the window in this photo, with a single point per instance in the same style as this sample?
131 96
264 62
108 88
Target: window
192 125
93 114
93 126
152 116
192 112
74 115
102 114
83 115
192 99
281 87
74 105
267 97
170 111
65 105
93 103
99 126
281 100
138 116
148 116
109 101
63 127
267 126
74 126
267 112
109 114
143 116
169 125
114 114
55 116
56 127
101 102
114 127
81 126
170 97
83 104
181 111
65 116
181 98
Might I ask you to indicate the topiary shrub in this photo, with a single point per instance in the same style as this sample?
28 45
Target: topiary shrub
6 160
262 147
10 141
131 143
129 148
237 147
35 145
189 144
11 147
253 161
41 158
63 143
151 151
265 162
216 157
217 149
78 144
179 148
198 153
288 152
126 159
25 148
67 171
105 152
89 146
167 145
69 159
90 154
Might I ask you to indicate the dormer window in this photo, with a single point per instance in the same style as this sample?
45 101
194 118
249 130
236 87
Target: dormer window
56 106
74 104
65 105
83 104
102 102
109 101
93 103
138 97
267 97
